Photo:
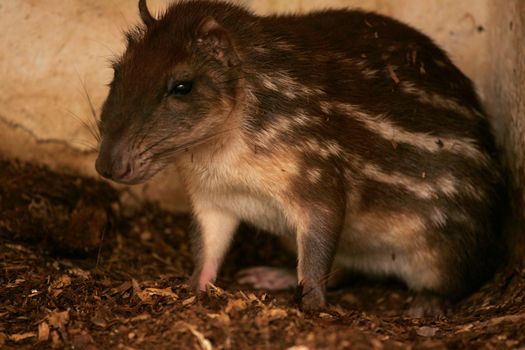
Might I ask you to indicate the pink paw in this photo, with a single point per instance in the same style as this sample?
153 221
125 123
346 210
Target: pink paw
269 278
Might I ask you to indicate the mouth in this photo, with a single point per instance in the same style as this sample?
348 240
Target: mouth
131 174
135 176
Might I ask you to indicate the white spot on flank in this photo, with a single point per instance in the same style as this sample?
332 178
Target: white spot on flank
269 84
382 126
362 66
438 101
323 149
314 175
438 218
271 132
421 189
287 85
445 185
302 118
334 148
326 107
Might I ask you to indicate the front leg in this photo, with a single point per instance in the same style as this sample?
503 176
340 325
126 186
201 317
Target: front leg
211 237
318 233
316 250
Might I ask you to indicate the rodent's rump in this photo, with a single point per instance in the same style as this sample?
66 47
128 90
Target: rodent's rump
346 130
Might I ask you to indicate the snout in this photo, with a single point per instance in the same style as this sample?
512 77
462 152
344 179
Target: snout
115 162
116 169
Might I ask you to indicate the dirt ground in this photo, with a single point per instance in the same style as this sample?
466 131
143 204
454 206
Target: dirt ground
79 270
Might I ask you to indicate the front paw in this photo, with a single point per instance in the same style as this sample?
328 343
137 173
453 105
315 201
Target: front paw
310 298
194 282
202 277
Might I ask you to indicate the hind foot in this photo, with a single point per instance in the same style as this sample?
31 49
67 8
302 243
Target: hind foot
269 278
425 305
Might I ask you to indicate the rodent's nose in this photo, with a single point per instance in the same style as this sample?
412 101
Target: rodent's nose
113 165
101 169
122 169
104 166
114 170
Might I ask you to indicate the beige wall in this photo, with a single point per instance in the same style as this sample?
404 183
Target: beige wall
49 48
505 92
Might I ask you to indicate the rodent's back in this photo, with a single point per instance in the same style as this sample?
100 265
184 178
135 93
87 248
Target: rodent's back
382 99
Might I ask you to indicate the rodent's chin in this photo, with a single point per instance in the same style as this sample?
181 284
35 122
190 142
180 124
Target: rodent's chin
137 178
136 181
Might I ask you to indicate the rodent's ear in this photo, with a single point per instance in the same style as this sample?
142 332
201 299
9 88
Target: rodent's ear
145 15
215 39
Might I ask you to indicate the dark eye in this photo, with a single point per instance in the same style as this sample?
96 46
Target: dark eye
179 88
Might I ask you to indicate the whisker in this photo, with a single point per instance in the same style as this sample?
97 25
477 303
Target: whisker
172 151
91 106
155 144
89 127
86 146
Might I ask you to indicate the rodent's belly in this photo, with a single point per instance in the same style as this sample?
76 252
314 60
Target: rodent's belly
261 212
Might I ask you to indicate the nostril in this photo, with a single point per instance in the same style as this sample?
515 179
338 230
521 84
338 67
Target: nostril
114 161
122 170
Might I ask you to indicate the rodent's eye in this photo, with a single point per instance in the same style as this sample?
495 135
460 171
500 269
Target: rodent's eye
179 88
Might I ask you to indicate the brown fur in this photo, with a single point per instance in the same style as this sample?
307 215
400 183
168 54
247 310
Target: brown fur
347 130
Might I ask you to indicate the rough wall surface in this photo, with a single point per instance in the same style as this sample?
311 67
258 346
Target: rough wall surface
50 49
505 91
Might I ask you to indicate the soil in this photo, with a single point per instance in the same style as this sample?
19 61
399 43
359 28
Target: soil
82 270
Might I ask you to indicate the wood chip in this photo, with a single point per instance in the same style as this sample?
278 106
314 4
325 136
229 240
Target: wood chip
141 317
43 332
58 319
277 313
56 343
427 331
80 273
189 301
235 305
204 343
465 328
21 336
144 297
124 287
325 315
221 317
61 282
166 292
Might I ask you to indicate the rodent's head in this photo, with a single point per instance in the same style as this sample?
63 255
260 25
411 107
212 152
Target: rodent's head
173 89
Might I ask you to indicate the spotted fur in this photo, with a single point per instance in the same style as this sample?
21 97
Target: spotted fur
347 131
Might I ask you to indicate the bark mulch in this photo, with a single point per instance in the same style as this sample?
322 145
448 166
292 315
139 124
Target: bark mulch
79 270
